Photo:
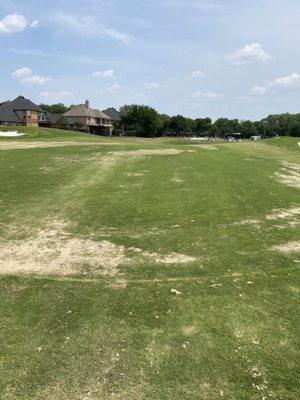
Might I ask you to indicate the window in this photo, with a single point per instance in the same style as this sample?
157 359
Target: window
70 120
28 113
42 117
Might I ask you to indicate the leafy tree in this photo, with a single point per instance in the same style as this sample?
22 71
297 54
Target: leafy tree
179 125
247 128
224 127
163 128
62 123
59 108
78 125
141 120
203 126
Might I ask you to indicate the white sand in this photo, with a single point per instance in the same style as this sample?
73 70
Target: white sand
11 134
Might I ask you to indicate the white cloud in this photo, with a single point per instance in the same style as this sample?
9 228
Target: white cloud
110 73
287 81
34 24
89 26
56 95
152 85
22 73
26 75
15 23
249 54
199 74
36 80
258 90
284 82
209 95
112 88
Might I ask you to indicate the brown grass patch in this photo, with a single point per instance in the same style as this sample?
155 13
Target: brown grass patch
209 147
290 247
283 213
146 152
290 175
55 252
254 222
14 144
189 330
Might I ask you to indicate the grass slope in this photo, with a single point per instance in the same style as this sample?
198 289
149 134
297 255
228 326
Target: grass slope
230 333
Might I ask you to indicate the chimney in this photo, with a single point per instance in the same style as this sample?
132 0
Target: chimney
87 104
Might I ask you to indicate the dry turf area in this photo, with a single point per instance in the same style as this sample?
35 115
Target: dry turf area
148 269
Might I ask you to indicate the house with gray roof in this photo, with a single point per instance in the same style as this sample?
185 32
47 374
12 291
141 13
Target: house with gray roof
20 111
113 114
91 120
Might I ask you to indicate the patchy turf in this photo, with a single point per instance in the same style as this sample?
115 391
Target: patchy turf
148 269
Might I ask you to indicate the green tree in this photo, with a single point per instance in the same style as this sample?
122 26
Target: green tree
141 120
62 123
58 108
163 128
179 126
203 126
247 128
224 127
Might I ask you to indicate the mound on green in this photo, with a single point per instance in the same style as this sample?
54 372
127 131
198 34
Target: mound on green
148 269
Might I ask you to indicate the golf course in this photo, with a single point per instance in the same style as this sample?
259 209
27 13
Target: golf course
134 268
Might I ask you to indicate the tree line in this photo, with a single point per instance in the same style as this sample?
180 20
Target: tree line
139 120
147 122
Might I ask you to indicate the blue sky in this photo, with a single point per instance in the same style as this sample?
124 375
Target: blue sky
217 58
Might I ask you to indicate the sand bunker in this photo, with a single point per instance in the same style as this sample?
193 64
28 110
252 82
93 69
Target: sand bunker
290 247
11 134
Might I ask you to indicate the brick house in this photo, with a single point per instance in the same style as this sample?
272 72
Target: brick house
88 119
20 111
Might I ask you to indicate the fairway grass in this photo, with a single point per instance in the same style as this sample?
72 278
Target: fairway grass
138 268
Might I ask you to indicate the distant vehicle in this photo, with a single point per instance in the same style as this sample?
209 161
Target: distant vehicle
255 138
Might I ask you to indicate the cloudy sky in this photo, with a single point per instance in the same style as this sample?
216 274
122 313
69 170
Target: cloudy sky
217 58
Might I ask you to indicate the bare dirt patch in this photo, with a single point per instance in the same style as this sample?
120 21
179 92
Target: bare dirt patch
290 247
53 251
146 152
189 330
209 147
172 258
254 222
290 175
283 213
294 166
13 144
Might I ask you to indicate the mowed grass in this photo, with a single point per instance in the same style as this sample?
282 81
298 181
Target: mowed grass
223 326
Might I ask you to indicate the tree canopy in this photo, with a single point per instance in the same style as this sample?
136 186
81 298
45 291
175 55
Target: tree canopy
58 108
145 121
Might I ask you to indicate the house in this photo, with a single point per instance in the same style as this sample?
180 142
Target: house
85 118
48 120
113 114
20 111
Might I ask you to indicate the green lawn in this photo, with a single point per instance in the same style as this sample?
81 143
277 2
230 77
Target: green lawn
148 269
